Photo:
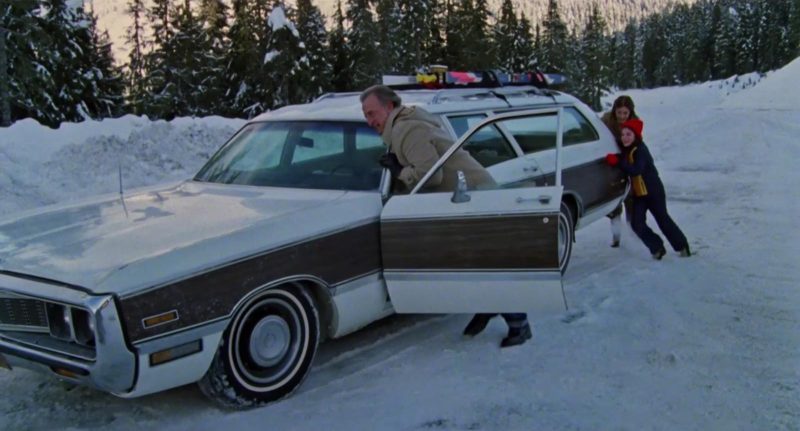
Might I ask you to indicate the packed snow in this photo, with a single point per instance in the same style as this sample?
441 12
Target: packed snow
707 342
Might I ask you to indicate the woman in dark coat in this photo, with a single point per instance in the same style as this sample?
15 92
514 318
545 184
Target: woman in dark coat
648 193
621 111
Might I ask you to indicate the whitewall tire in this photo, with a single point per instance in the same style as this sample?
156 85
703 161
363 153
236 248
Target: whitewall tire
267 350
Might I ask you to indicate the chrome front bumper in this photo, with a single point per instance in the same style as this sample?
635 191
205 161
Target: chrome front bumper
111 368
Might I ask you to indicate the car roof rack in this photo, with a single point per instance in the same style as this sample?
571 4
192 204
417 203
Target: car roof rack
438 77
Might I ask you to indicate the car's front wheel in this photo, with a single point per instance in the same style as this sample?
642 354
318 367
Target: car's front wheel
267 350
566 232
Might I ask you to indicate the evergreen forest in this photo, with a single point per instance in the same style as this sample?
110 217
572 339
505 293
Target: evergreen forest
239 58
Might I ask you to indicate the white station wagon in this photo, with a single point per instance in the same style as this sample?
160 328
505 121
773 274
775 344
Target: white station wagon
289 236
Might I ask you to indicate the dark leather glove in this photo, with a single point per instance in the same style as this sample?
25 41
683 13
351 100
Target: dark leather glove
389 161
612 159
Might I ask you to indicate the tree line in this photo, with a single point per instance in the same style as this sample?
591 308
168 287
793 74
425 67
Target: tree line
245 57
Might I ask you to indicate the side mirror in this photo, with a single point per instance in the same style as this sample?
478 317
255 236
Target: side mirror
460 193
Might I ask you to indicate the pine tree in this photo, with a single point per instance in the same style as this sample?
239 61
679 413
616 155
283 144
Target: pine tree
726 56
594 59
21 78
78 74
5 94
136 58
56 60
104 96
479 48
158 74
341 79
455 35
434 50
362 45
242 60
285 63
555 43
523 45
654 48
213 17
538 49
505 34
415 17
750 40
625 60
391 36
311 25
711 44
777 49
793 35
192 65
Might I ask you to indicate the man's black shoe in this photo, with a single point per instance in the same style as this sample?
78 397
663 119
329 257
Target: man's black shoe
659 254
517 337
477 324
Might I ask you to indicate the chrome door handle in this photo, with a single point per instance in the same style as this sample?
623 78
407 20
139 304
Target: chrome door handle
530 168
544 199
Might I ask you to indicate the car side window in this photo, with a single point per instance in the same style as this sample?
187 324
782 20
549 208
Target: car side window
538 133
462 123
535 133
488 146
577 129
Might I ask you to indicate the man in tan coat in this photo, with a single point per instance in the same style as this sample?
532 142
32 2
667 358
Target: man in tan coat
416 140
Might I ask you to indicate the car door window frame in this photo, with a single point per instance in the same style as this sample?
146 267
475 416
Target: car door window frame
492 119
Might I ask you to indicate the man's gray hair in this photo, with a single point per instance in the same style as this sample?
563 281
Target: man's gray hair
384 94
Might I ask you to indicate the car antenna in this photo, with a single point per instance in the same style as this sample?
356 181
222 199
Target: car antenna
121 195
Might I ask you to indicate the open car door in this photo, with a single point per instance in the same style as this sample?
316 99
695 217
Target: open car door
467 251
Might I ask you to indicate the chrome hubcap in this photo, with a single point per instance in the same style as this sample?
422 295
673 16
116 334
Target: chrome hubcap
269 341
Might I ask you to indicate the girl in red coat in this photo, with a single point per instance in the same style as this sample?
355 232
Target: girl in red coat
648 193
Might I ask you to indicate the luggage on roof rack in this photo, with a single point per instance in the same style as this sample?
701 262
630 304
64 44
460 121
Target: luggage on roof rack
438 77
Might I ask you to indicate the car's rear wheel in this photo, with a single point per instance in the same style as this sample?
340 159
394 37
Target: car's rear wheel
566 234
267 350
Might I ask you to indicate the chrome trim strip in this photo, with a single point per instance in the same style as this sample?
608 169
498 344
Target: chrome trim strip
474 275
488 215
465 270
342 283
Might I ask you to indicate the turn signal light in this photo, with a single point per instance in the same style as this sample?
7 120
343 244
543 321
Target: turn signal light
177 352
160 319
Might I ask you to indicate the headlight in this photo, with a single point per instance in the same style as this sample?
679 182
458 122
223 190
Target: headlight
83 325
71 324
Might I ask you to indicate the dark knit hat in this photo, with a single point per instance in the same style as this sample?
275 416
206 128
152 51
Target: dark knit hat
635 125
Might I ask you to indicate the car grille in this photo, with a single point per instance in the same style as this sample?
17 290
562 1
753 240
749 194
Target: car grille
23 312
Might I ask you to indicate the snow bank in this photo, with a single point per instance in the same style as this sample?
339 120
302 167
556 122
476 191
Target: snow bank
780 90
40 166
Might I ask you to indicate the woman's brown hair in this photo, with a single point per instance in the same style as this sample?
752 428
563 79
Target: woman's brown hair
623 102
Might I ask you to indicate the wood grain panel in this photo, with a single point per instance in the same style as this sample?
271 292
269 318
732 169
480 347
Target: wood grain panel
333 258
502 243
595 182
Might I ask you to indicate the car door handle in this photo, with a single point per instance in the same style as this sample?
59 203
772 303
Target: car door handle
530 168
544 199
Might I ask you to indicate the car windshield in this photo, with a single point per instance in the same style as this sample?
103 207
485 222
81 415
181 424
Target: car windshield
299 154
